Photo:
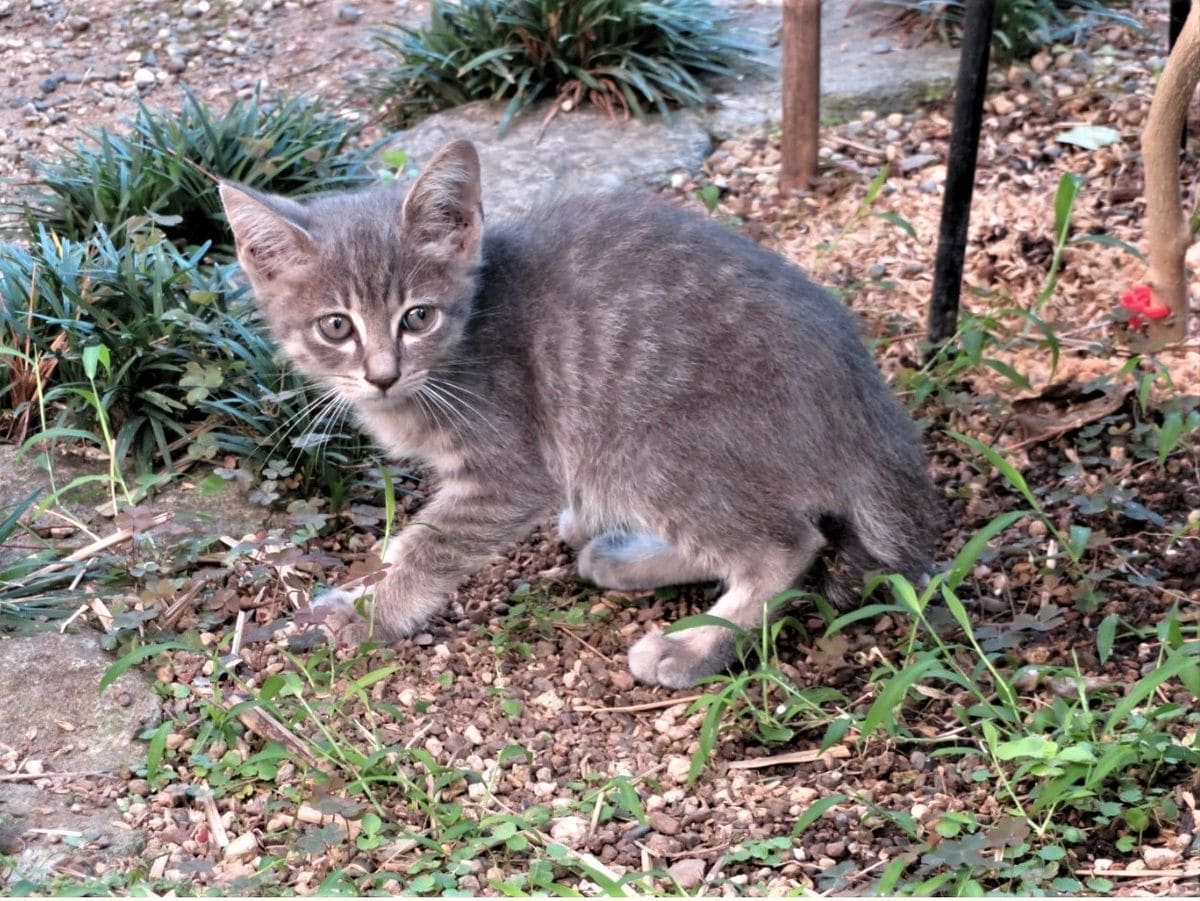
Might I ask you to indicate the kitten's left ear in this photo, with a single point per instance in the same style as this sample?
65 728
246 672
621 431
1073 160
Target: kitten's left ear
443 213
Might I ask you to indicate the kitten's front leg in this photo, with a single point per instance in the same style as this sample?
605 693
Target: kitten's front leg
454 535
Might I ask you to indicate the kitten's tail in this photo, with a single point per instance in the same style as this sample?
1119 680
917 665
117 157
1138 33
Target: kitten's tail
888 529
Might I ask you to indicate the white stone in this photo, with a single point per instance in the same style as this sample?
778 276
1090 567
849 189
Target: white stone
570 831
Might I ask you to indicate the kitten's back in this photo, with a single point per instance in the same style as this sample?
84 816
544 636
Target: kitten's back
659 341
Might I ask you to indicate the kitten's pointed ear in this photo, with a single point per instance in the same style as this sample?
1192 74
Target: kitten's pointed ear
270 232
443 213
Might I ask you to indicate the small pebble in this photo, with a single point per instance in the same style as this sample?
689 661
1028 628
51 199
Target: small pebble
242 847
661 822
688 872
570 831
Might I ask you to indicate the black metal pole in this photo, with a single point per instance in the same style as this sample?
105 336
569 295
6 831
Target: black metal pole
960 171
1179 14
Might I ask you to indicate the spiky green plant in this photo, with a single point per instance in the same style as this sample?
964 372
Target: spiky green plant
622 55
1022 27
181 349
163 167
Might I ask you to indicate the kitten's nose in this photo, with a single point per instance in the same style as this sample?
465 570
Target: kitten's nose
383 382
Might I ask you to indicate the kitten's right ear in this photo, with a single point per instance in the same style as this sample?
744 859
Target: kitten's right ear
270 232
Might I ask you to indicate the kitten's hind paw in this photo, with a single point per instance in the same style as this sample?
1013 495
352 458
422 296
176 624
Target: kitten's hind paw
679 659
336 613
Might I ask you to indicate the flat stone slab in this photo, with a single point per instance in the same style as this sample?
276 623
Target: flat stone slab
52 710
61 743
863 67
583 151
228 512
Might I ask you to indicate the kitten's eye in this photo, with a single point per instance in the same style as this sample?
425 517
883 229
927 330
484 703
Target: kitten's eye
419 319
336 327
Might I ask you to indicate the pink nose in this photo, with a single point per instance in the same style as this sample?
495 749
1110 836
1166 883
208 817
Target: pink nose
383 382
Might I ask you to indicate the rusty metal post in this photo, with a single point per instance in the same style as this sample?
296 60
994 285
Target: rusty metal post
801 93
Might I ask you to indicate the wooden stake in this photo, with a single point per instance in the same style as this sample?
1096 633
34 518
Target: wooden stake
1168 231
801 93
969 91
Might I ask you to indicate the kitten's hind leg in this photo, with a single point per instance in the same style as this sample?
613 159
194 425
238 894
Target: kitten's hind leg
679 659
571 530
629 561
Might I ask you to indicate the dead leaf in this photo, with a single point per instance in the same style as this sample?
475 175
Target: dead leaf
1061 407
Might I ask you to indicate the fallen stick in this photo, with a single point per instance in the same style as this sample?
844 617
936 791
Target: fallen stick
1149 875
91 550
810 755
638 708
266 726
53 774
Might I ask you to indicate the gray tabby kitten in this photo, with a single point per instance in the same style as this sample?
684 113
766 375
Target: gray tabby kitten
695 408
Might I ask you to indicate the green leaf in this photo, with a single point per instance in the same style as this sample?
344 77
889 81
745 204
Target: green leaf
891 876
114 672
504 830
868 611
1080 753
710 196
1145 687
511 707
814 812
1110 241
1029 746
836 731
1137 819
702 619
900 222
375 676
965 560
154 752
629 799
1106 634
1168 434
891 698
92 355
996 459
1078 540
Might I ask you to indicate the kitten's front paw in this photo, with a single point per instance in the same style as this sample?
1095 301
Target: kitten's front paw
679 659
336 613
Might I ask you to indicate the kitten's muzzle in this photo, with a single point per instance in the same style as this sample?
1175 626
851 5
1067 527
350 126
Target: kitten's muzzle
383 381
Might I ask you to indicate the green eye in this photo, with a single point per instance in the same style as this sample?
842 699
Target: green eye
336 326
419 319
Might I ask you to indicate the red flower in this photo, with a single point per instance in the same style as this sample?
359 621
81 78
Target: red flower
1139 301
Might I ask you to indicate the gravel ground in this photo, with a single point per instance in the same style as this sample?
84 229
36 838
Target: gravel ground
74 66
526 657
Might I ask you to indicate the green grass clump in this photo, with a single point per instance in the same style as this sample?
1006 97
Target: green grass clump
164 166
1022 27
145 341
621 55
123 322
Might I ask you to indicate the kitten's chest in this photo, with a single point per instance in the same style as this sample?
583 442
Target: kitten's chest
402 434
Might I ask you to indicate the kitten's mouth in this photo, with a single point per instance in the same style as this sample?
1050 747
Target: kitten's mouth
403 390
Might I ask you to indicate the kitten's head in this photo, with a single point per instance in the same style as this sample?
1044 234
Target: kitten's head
367 291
